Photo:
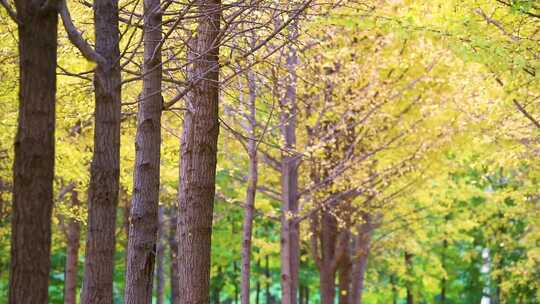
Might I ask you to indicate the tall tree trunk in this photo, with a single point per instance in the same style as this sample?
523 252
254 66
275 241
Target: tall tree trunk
408 265
327 273
73 233
173 247
267 293
290 242
443 280
105 169
361 248
345 273
144 206
160 259
257 292
235 280
395 293
249 209
328 284
198 159
33 169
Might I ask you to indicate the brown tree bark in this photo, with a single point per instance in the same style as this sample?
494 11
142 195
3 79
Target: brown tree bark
249 209
33 169
173 247
160 261
327 273
361 248
345 273
73 233
290 242
105 169
198 158
144 207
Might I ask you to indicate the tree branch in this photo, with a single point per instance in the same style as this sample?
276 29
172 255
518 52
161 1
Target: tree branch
76 38
526 113
11 11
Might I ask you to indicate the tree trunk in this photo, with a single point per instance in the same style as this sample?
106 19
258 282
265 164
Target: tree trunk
173 247
345 273
145 203
257 292
267 293
249 209
33 169
160 261
327 273
408 265
361 248
290 242
198 160
105 168
235 278
443 281
73 233
328 284
395 293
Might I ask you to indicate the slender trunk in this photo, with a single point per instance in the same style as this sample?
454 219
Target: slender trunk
105 169
394 289
327 284
307 294
361 248
290 242
267 293
145 204
257 292
235 280
345 274
443 281
33 169
198 160
327 273
173 247
249 209
160 255
73 233
408 265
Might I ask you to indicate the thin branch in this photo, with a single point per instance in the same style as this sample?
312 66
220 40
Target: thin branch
526 113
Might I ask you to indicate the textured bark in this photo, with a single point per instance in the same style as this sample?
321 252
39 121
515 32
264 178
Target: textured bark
33 169
249 208
173 247
160 261
198 157
105 169
290 242
361 247
144 206
345 274
327 273
73 234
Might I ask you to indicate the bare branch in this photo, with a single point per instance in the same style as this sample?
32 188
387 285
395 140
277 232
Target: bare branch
76 38
11 11
526 113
